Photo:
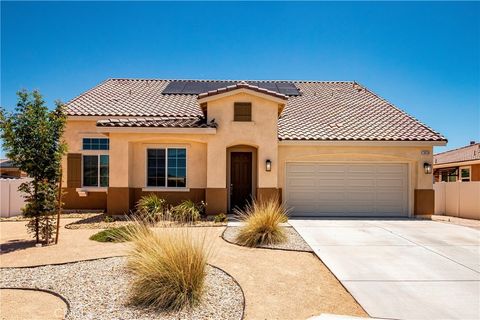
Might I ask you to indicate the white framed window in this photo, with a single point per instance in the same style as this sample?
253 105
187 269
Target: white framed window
166 167
465 173
95 162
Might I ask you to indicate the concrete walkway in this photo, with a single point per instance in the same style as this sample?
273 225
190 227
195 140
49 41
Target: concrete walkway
401 269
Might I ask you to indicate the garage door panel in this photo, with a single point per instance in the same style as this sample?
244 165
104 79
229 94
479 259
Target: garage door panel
361 170
356 182
392 197
347 189
301 182
361 196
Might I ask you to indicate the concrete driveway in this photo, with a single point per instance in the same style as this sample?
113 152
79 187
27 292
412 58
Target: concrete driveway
401 269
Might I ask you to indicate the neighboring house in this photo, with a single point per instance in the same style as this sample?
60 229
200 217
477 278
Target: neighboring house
324 148
9 170
462 164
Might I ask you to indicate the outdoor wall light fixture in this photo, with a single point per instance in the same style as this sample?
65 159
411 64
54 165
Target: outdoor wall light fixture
427 167
268 165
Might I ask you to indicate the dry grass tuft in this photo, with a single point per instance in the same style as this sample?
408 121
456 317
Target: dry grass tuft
262 223
168 266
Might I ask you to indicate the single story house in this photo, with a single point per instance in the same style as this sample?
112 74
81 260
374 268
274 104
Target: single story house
462 164
9 170
325 148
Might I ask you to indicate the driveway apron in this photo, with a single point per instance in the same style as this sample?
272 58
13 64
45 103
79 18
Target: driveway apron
401 269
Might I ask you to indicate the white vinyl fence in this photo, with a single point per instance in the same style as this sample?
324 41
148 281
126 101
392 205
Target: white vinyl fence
458 199
11 200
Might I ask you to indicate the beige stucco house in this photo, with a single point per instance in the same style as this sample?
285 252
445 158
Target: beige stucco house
324 148
461 164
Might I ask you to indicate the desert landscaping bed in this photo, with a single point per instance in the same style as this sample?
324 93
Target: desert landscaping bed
98 289
102 221
294 241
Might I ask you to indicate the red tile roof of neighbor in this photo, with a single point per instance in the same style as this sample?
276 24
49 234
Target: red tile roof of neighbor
467 153
328 110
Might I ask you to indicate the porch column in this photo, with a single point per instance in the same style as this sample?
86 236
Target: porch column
120 196
216 191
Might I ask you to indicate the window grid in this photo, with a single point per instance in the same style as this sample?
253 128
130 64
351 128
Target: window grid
95 171
96 144
167 167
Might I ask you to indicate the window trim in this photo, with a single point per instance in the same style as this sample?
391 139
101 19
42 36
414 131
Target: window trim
460 178
243 103
97 187
166 187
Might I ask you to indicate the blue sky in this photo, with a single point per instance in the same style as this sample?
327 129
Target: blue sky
423 57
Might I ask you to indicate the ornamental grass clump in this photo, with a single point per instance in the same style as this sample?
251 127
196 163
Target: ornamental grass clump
262 221
168 267
187 211
150 208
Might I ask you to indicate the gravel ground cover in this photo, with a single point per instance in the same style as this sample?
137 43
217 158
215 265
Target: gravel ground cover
294 241
98 289
98 222
65 215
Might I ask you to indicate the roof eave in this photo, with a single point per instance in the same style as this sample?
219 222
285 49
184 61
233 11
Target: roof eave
377 143
278 99
162 130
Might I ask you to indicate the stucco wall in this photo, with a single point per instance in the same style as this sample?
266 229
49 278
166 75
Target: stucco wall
74 132
411 155
261 133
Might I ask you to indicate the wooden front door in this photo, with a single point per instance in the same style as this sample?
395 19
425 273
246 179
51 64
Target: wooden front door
240 179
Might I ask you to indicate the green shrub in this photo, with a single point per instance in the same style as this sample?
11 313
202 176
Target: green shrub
150 208
262 223
120 234
220 218
168 267
108 219
187 211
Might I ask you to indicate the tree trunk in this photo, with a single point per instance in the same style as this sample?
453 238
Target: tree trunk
35 195
59 206
36 230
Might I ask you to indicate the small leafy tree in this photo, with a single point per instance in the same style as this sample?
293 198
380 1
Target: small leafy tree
32 138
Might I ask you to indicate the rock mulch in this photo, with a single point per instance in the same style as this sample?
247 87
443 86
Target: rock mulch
294 241
99 221
65 215
98 289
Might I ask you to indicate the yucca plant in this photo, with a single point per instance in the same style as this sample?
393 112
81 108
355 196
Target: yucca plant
150 208
187 211
168 267
262 220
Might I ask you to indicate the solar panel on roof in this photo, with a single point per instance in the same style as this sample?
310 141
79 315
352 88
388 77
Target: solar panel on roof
175 87
267 85
197 87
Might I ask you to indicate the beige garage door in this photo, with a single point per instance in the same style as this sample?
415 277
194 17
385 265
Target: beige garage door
314 189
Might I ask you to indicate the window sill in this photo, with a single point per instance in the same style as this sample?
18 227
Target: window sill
252 123
160 189
92 189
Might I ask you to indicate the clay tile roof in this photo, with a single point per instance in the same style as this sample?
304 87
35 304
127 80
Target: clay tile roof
467 153
242 85
325 110
158 122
